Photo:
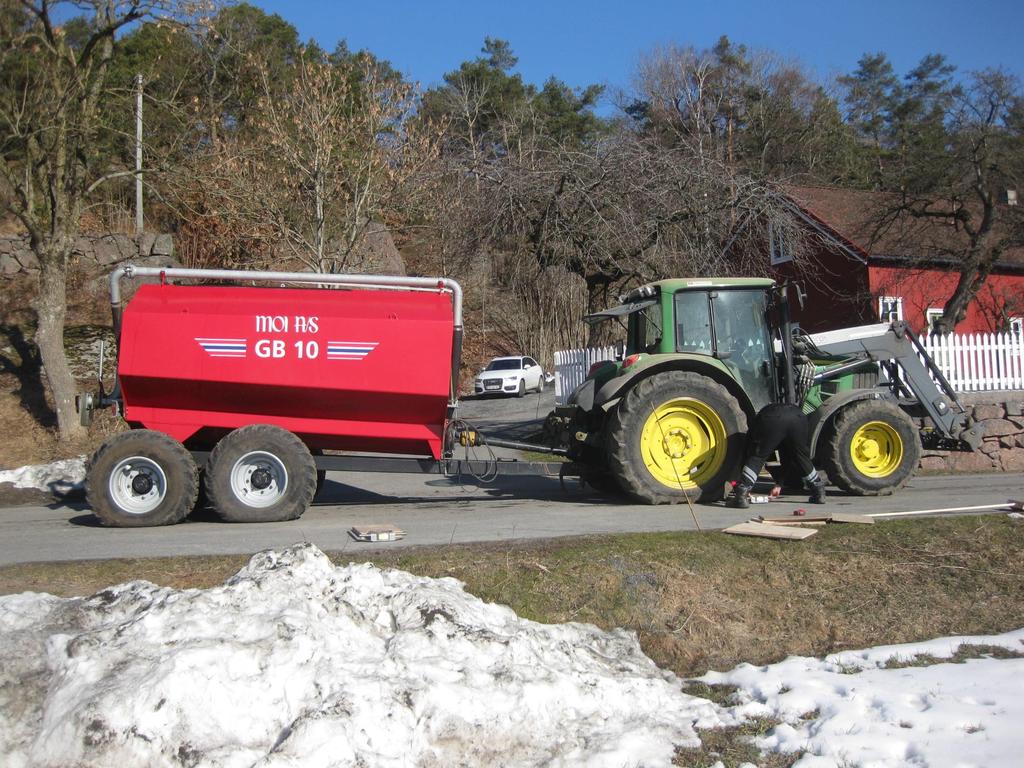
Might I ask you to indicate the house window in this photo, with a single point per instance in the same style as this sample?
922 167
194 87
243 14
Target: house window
890 308
780 246
931 316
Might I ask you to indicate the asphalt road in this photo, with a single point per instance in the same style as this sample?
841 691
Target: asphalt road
438 511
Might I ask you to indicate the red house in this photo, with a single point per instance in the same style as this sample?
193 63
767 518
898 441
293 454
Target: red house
856 273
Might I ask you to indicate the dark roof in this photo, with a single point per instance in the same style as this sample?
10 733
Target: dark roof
852 217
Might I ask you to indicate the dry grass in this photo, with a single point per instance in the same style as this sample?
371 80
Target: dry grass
733 747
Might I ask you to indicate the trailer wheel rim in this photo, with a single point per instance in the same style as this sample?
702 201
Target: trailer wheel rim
250 490
876 449
125 480
683 443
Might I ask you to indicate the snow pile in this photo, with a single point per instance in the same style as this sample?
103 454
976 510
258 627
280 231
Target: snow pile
294 661
59 477
849 710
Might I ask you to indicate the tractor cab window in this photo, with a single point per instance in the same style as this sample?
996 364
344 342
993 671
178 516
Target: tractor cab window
693 322
743 342
645 329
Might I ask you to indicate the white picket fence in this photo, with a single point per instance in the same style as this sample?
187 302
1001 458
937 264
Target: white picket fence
572 366
971 362
978 362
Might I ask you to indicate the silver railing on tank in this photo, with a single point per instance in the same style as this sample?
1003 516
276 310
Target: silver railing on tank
394 282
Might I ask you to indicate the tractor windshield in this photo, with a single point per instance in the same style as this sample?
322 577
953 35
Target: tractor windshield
743 342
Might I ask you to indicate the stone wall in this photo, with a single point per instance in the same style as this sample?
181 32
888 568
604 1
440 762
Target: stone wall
1002 416
96 253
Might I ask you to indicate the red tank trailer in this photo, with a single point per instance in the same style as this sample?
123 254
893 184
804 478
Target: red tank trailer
257 382
357 370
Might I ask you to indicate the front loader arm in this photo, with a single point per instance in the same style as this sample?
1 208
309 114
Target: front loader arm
891 344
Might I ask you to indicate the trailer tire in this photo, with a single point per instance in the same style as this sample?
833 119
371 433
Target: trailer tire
141 478
260 474
706 431
321 474
873 448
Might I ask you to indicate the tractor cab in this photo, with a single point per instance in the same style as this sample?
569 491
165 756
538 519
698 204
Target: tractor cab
728 326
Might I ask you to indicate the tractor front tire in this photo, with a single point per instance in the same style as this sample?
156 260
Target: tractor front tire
260 474
873 448
141 478
676 435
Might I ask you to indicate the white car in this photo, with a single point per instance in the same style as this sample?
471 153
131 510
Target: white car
510 375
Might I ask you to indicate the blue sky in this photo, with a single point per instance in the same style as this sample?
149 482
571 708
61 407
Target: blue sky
599 41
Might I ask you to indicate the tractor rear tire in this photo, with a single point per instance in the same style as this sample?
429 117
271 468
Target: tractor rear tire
873 448
141 478
595 473
260 474
676 435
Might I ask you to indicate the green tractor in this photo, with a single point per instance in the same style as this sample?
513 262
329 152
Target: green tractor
668 420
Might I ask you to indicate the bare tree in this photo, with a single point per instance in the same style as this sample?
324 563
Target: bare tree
52 115
331 154
621 210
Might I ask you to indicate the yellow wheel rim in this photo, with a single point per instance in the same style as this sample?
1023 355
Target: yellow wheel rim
683 443
876 449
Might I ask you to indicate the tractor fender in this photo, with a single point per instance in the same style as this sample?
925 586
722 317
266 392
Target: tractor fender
823 415
616 388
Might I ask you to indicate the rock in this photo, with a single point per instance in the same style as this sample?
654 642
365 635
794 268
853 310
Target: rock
1008 441
989 447
933 464
27 258
9 265
145 243
127 247
999 427
970 462
1015 408
983 412
106 251
163 245
1012 461
375 252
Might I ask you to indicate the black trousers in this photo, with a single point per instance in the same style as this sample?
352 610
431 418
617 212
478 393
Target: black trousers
778 426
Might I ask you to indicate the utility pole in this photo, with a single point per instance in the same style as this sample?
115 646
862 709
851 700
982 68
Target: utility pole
138 155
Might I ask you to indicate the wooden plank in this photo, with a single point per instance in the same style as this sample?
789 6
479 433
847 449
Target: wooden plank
1009 506
796 519
849 517
770 531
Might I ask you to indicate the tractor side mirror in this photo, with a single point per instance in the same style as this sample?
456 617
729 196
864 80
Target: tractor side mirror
801 294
